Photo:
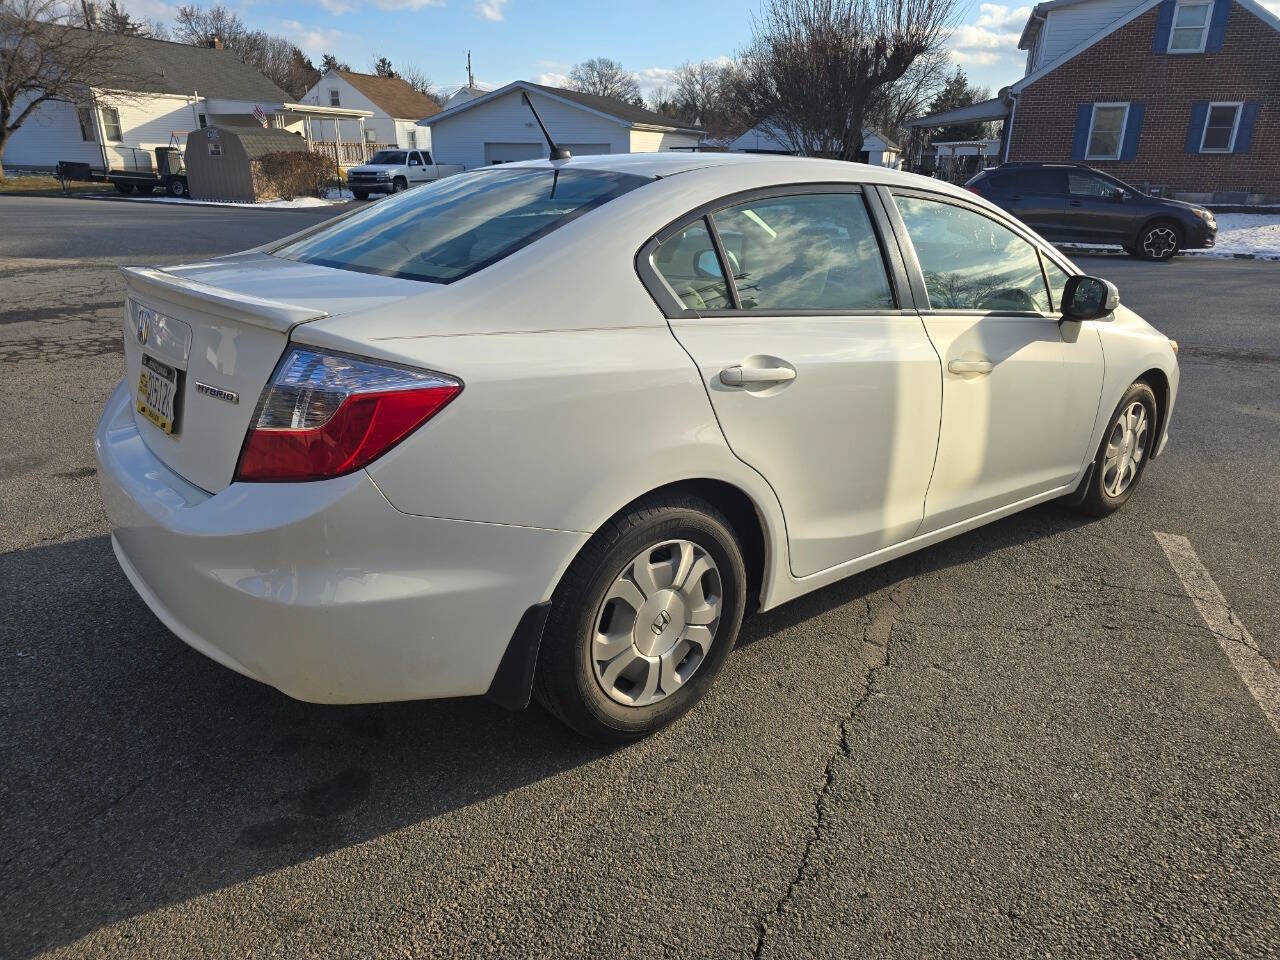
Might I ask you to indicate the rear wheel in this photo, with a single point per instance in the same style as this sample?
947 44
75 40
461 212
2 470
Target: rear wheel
123 187
176 187
1159 240
642 620
146 189
1123 454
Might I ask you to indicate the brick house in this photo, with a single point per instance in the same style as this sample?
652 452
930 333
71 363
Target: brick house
1181 95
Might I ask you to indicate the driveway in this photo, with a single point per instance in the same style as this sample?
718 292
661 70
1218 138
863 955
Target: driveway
1022 742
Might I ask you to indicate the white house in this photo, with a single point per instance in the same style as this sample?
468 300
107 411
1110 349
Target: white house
177 88
394 108
497 126
877 149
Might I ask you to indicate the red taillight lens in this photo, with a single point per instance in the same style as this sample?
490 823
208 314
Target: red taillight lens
325 414
973 189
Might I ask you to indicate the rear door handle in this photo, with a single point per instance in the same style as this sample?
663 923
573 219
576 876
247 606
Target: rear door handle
1075 203
740 376
970 366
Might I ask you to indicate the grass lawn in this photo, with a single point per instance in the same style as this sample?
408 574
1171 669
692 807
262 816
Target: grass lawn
47 186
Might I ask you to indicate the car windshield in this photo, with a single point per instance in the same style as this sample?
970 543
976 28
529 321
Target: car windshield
390 157
457 225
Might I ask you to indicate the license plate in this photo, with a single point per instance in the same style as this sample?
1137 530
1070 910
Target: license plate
158 393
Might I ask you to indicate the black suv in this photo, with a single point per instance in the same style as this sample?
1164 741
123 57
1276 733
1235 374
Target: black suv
1074 203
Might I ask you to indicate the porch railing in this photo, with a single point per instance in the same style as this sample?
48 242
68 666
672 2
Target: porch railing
349 154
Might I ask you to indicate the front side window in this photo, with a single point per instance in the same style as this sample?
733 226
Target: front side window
1095 188
452 227
1106 131
688 262
1190 27
111 124
85 116
970 262
805 252
415 160
1220 128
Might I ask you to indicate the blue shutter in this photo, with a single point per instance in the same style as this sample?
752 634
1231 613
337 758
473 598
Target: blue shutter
1217 25
1080 143
1132 128
1244 133
1195 131
1164 21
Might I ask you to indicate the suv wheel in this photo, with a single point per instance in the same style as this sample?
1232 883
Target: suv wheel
1159 241
643 619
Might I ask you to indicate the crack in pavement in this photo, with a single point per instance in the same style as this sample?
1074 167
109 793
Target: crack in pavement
877 634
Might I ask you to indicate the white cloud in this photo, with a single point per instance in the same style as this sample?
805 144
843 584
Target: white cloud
1272 5
552 79
491 9
651 78
314 41
407 4
336 6
998 17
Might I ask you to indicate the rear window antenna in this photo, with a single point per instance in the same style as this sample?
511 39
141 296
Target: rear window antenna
557 153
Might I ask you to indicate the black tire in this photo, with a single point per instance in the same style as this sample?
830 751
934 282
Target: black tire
123 187
1097 501
146 189
360 194
176 187
1159 241
565 682
398 184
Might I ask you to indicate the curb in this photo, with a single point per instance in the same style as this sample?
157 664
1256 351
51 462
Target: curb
1090 251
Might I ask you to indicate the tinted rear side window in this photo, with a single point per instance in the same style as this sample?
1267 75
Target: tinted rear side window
1052 182
455 226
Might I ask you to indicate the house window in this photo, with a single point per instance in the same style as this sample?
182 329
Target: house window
215 148
111 124
370 136
335 100
413 138
1106 131
1220 128
203 121
1190 27
85 116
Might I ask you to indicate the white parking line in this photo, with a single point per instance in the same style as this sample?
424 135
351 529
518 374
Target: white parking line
1260 678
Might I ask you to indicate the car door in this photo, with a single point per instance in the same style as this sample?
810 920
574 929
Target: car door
417 171
1096 209
1020 389
1036 197
820 379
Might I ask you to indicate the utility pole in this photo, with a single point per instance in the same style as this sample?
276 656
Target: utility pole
471 77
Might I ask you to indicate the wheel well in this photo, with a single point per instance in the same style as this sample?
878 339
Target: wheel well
1159 384
1177 227
741 513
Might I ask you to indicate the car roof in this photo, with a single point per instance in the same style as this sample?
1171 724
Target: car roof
788 169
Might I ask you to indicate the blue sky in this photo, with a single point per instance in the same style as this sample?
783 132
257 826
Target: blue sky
542 39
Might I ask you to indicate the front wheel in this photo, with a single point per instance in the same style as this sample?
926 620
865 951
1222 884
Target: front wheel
398 184
123 187
1123 454
176 187
643 619
360 194
1158 241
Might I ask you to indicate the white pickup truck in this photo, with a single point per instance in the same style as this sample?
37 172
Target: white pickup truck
390 171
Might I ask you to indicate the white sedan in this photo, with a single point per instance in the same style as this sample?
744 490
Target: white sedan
551 428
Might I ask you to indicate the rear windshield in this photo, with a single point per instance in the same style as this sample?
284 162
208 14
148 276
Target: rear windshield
395 157
457 225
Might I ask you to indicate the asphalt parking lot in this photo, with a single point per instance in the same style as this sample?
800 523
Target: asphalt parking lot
1026 741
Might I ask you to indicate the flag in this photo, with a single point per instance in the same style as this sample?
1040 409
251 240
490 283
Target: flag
259 114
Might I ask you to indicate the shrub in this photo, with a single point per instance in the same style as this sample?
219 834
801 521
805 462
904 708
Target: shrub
296 173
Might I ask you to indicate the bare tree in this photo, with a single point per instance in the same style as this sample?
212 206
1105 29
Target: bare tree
815 67
605 78
278 58
198 26
906 98
414 76
43 60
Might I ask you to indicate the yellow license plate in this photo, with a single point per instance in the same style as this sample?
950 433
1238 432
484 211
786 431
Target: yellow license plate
158 393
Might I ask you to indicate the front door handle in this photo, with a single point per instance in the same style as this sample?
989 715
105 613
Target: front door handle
970 366
1075 203
740 376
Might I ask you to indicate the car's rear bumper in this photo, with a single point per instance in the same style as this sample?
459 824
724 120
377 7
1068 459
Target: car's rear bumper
323 590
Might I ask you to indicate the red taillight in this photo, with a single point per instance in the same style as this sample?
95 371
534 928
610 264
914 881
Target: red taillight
326 414
973 189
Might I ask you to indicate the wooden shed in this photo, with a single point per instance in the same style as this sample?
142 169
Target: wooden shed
222 161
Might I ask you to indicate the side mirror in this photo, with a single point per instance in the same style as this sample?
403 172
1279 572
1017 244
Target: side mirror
1117 196
708 264
1088 298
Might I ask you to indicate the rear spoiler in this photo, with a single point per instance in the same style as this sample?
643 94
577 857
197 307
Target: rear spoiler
273 314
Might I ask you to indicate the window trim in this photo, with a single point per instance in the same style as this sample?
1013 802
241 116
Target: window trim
1204 31
673 308
1124 126
102 119
1235 127
335 97
923 305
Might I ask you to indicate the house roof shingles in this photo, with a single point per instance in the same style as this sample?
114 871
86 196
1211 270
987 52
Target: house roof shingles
163 66
392 94
627 112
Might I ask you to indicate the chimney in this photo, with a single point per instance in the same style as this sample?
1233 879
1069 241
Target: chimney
215 42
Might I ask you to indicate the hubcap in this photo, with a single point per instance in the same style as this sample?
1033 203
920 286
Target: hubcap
1126 446
656 624
1160 242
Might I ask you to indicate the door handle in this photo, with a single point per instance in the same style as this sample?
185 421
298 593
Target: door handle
740 376
1016 198
1075 203
970 366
